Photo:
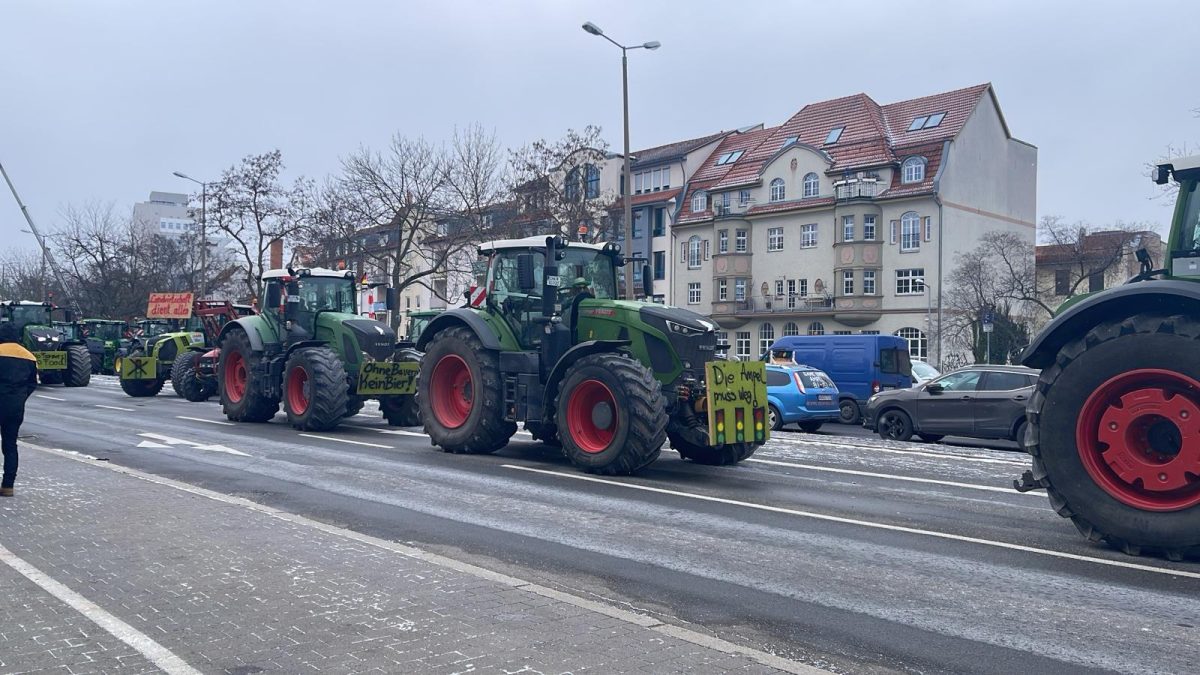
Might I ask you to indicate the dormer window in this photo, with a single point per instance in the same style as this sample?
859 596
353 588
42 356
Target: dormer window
834 135
730 157
912 170
699 201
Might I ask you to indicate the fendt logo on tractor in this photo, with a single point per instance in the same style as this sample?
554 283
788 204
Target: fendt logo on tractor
544 340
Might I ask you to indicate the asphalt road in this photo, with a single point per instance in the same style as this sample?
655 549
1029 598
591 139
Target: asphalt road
836 549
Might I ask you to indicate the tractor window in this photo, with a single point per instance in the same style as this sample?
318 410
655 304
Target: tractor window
334 294
29 315
517 307
586 267
106 331
1190 232
152 328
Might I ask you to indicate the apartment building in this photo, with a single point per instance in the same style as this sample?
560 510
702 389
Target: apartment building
847 217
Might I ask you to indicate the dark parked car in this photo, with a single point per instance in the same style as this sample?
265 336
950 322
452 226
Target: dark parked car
981 401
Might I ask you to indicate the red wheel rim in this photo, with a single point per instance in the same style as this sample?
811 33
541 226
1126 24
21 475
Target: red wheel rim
235 377
297 382
592 416
1138 436
451 392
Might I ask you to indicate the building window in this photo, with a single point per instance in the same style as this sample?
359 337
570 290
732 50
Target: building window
723 241
739 289
910 281
730 157
593 182
868 228
918 345
791 293
694 252
927 226
571 186
910 231
660 265
766 336
775 239
638 217
803 292
743 344
777 191
779 288
1062 282
743 198
816 328
699 201
847 228
808 235
868 282
722 289
847 282
740 244
912 170
812 185
1095 282
723 337
834 135
660 227
666 178
726 200
694 293
790 328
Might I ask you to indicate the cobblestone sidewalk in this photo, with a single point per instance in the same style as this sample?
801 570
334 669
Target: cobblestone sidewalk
230 587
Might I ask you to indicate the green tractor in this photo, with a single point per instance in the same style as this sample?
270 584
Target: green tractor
106 341
545 341
146 366
311 351
62 359
1114 424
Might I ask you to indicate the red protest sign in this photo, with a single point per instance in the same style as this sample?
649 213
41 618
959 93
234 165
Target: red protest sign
169 306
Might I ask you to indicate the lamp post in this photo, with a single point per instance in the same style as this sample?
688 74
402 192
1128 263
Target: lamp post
928 318
626 197
203 232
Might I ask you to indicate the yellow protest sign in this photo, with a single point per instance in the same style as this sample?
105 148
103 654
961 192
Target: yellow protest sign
387 377
51 360
737 402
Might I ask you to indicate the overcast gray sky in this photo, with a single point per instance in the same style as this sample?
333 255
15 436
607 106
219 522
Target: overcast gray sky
103 99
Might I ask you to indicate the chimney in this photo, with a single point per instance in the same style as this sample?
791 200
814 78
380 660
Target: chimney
276 254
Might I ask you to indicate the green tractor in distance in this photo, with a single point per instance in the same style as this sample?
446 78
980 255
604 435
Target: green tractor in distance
310 350
146 367
61 359
545 341
1114 423
106 341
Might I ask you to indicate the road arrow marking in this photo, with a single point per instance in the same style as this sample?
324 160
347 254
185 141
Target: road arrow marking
151 444
199 446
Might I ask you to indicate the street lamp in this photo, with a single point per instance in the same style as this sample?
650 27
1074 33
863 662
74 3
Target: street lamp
203 232
928 316
593 29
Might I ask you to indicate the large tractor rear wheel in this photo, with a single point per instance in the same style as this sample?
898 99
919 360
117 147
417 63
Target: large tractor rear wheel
242 398
186 380
611 413
316 394
79 366
401 410
1114 430
141 388
462 399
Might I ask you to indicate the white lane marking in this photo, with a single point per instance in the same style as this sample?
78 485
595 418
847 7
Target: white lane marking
346 440
866 523
938 455
889 476
170 440
401 432
159 655
52 398
201 419
113 407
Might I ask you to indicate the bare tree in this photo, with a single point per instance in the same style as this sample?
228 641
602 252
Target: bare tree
253 207
25 276
563 178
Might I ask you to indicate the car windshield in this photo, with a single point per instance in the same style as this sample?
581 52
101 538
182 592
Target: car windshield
815 379
586 268
29 315
334 294
924 370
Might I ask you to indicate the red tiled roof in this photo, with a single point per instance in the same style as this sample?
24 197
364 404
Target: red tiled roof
792 204
957 105
932 152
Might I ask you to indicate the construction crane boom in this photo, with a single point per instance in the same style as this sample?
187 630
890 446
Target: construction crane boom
58 273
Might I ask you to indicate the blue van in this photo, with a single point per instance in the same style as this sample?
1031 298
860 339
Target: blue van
860 365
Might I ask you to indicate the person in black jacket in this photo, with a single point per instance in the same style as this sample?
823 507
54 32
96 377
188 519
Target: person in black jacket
18 379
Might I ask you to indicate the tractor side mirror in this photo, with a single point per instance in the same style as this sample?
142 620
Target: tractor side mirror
647 282
273 294
390 299
525 273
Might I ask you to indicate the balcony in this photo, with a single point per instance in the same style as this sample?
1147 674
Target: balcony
856 188
734 210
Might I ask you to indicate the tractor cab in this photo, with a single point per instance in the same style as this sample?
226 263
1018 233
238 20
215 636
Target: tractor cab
35 323
1184 254
297 299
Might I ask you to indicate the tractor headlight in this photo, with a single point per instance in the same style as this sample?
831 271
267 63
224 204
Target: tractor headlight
682 329
41 339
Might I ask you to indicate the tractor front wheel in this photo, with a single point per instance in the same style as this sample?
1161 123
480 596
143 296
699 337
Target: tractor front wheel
612 416
79 366
400 410
316 395
242 398
462 399
186 381
141 388
1114 430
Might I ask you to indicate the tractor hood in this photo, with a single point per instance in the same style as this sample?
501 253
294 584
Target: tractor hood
685 321
42 338
377 339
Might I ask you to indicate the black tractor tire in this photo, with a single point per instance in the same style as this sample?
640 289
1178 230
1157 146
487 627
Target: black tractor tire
79 366
775 418
1091 380
849 412
187 382
316 394
894 425
462 407
1019 432
97 363
354 405
810 427
141 388
401 410
613 419
931 438
242 398
546 432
